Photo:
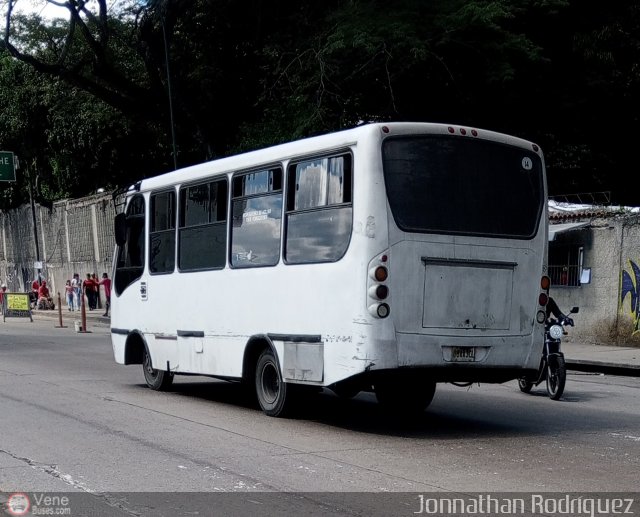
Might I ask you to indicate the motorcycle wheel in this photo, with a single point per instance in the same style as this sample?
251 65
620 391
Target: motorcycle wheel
556 379
524 385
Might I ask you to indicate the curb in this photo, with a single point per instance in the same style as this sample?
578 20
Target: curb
102 321
584 365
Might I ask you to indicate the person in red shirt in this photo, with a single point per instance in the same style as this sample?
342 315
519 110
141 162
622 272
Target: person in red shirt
33 296
44 297
89 289
43 292
106 282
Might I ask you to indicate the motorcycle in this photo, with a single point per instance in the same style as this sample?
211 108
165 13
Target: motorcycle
552 366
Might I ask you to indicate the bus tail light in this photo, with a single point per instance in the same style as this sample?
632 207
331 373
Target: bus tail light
377 288
379 291
380 310
543 298
380 273
545 283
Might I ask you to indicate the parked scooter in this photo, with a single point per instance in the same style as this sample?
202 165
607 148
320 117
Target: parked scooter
552 365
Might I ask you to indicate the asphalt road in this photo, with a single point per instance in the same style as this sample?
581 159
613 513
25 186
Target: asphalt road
71 420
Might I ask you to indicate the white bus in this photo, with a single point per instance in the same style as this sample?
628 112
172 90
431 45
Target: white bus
386 258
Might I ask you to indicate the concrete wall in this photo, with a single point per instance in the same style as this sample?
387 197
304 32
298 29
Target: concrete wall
608 313
74 236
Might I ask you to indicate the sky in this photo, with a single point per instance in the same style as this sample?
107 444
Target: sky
40 7
49 10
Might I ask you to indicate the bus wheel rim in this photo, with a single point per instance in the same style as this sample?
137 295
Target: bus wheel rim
270 383
147 365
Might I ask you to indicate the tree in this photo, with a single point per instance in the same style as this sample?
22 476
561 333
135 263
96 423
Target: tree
23 122
402 60
92 51
245 75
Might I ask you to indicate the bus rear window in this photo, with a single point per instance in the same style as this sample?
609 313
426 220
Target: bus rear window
453 185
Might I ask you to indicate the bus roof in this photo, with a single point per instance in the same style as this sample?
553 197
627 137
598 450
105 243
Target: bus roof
318 144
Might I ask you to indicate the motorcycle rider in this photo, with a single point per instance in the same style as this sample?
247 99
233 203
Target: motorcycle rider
553 309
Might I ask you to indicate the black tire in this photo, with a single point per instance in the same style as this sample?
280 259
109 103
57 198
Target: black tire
346 390
276 397
525 385
404 394
556 377
158 380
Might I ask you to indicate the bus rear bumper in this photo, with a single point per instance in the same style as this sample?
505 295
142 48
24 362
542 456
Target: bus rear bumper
461 356
366 380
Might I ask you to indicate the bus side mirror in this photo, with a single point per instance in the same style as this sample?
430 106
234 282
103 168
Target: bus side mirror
120 229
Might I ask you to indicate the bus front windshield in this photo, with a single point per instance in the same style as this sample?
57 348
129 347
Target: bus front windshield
464 186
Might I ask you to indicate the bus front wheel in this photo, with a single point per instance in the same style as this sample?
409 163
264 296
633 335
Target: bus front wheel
274 395
158 380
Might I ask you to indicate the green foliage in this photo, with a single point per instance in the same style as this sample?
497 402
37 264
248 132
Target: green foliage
92 110
413 60
23 121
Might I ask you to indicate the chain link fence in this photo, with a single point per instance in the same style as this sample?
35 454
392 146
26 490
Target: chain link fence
73 236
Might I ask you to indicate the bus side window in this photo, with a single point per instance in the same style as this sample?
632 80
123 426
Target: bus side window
319 210
130 261
162 233
202 234
257 214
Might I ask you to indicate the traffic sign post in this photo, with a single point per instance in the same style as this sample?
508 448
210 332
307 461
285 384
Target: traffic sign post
7 166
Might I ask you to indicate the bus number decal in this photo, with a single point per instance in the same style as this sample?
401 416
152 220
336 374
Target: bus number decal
527 164
338 339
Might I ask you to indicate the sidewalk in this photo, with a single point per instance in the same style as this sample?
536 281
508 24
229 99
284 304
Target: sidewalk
612 360
93 318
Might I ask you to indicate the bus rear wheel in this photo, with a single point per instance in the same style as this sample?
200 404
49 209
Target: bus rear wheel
158 380
525 384
404 395
274 395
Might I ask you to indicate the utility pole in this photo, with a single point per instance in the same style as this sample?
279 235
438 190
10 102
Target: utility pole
166 62
160 7
35 222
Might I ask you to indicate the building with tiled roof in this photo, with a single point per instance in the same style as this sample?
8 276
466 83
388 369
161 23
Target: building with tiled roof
594 253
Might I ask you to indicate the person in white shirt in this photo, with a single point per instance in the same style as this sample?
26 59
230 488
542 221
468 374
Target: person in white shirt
76 285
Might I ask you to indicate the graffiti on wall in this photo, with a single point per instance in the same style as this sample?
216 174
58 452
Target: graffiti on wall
631 286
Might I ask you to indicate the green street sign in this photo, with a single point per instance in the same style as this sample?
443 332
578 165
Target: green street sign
7 166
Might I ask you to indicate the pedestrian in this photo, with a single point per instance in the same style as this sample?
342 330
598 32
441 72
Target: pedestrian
69 292
3 290
96 291
87 286
77 287
106 282
44 297
35 288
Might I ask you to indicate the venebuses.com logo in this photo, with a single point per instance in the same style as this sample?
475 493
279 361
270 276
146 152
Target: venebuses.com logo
18 504
37 503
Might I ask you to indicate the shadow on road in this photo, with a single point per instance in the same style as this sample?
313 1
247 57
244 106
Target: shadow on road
454 414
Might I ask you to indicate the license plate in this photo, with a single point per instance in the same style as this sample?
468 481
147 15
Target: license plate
463 353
